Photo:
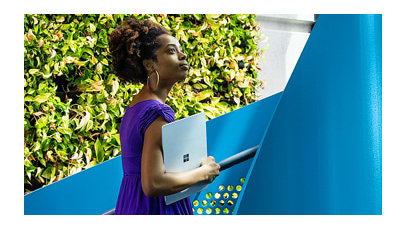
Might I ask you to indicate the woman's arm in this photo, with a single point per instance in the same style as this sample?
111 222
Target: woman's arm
155 180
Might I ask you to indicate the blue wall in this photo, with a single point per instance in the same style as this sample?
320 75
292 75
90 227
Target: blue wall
322 152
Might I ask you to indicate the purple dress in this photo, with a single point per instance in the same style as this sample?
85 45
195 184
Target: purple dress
131 199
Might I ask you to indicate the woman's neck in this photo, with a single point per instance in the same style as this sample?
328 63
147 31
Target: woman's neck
160 94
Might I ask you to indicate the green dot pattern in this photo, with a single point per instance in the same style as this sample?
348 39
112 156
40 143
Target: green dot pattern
220 202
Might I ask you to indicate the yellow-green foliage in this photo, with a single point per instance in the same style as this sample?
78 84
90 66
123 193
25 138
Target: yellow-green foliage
73 103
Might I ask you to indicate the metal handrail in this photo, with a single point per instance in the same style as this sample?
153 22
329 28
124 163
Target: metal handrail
238 158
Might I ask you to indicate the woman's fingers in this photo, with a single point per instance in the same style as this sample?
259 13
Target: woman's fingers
213 169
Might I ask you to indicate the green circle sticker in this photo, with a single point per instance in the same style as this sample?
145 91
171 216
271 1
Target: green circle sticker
221 202
204 202
208 211
195 203
213 203
208 195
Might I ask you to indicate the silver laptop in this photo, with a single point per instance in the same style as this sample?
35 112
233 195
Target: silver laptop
185 147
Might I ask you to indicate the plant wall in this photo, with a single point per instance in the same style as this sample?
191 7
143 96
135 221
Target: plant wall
73 102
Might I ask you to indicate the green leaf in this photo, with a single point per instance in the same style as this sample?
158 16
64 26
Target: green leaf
198 16
28 98
215 100
80 63
46 76
207 81
99 68
29 170
199 86
49 155
64 130
33 71
60 19
65 27
237 100
62 155
117 138
42 161
222 105
42 122
115 86
49 172
99 151
42 98
58 137
90 164
89 51
85 119
105 62
204 94
89 125
92 27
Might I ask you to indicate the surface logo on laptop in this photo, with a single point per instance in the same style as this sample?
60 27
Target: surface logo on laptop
186 158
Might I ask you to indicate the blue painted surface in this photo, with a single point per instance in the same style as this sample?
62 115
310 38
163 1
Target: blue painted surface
94 191
228 135
90 192
322 151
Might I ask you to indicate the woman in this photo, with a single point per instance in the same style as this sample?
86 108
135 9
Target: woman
143 51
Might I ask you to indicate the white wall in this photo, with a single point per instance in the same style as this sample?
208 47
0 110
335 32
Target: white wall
284 38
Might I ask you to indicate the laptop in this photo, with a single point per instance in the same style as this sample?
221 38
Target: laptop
184 148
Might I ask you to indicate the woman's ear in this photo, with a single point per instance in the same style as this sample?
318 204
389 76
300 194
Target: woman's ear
148 65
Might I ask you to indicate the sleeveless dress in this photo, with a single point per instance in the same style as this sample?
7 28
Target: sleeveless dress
131 199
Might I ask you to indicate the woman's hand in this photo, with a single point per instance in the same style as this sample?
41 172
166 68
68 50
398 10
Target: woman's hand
210 169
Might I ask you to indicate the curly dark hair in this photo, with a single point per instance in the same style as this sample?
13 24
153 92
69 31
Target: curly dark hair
130 44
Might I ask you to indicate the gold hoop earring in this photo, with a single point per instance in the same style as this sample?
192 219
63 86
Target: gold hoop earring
157 75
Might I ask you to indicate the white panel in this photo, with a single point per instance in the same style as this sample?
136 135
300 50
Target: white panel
283 47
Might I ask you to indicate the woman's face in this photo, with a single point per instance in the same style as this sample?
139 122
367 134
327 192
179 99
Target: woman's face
171 62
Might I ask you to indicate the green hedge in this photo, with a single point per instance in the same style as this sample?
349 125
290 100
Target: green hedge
73 103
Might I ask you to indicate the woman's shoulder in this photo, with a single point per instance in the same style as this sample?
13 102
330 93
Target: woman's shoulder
152 109
158 106
148 106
